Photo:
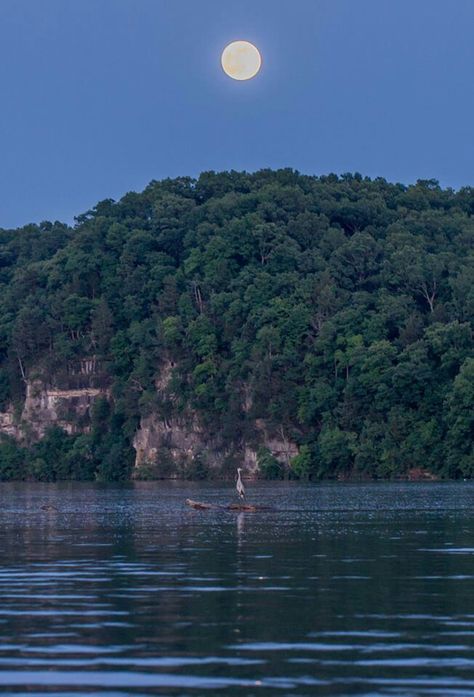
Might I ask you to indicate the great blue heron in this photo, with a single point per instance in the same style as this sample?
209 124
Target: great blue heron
239 486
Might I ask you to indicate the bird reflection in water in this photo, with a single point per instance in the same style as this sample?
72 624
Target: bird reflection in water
240 528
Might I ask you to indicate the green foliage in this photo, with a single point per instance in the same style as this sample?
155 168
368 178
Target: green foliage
165 467
12 459
110 447
303 464
460 419
195 469
104 454
336 449
4 388
338 311
269 465
50 457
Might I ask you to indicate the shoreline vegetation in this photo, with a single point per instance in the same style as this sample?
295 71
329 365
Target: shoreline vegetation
25 469
303 327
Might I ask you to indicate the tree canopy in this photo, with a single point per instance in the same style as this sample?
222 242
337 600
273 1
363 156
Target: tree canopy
338 309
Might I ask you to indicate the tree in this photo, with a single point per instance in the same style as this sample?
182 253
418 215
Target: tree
460 422
101 327
336 449
12 459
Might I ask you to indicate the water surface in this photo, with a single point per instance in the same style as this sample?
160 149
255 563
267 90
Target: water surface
344 590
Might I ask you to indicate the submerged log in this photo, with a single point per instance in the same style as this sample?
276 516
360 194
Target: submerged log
245 507
202 506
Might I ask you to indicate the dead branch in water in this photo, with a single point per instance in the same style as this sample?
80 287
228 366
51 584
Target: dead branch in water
239 507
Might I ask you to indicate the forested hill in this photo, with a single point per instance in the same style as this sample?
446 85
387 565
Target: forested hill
336 311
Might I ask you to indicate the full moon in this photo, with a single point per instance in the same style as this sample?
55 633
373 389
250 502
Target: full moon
241 60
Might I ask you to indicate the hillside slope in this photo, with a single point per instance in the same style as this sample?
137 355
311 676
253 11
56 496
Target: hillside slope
301 325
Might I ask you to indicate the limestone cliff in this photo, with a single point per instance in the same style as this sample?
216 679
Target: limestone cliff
8 424
47 406
184 440
175 443
172 446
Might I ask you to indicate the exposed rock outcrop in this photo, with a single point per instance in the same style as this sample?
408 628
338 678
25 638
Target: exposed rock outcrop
172 446
45 407
8 425
178 440
184 440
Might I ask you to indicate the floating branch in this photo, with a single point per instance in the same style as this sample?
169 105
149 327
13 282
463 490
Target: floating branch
245 507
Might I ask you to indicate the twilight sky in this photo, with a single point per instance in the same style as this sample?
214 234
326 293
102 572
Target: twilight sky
98 97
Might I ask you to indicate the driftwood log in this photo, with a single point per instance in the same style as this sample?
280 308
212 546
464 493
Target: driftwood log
245 507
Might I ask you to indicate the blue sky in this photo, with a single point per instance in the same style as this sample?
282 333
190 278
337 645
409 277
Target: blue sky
101 96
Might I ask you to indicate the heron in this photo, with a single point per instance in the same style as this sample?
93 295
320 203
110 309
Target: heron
240 486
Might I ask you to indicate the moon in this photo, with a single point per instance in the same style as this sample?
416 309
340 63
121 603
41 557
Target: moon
241 60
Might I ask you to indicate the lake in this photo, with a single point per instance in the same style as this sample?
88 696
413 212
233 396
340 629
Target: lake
348 589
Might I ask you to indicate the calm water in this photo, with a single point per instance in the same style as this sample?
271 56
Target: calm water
348 589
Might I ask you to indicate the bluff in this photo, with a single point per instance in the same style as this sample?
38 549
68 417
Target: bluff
298 325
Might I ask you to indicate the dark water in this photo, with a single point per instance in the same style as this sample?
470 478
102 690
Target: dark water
348 589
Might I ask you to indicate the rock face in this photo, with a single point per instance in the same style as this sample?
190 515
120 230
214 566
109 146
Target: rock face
182 441
45 407
279 445
7 423
174 444
419 474
171 446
